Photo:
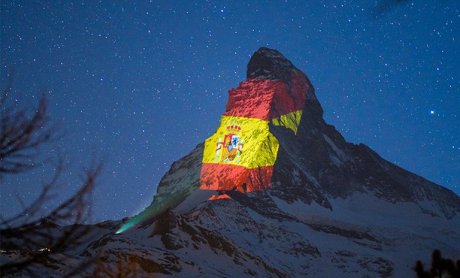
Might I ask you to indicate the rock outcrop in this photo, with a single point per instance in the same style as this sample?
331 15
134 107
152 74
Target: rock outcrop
242 153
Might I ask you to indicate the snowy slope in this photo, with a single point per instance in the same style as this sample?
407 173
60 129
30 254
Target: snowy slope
333 209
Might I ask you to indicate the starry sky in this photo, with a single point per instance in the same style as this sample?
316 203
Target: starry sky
141 83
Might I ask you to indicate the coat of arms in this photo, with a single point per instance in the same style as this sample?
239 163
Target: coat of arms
230 148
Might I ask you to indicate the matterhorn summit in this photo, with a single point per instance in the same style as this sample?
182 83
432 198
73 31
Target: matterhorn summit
277 192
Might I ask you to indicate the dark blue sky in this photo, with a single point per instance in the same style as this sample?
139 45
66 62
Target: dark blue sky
140 83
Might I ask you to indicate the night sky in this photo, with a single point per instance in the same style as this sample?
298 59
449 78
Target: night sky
141 83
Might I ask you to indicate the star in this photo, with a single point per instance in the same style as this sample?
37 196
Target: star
103 69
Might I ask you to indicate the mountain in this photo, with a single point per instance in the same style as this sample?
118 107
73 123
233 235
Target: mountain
277 192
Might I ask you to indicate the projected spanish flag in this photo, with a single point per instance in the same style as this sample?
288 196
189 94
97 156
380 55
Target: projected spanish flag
241 154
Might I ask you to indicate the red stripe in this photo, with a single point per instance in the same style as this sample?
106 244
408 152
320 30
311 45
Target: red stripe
229 177
266 99
299 88
219 197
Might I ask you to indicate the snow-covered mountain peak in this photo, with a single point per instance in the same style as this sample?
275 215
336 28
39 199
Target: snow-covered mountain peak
277 192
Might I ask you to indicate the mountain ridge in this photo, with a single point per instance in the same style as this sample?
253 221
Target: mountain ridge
322 207
311 124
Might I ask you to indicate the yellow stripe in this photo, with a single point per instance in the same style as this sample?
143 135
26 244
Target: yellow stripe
253 145
290 120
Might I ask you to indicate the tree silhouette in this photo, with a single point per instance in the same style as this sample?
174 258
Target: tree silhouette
35 236
440 267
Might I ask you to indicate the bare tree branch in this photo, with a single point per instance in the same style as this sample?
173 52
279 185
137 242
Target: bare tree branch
35 237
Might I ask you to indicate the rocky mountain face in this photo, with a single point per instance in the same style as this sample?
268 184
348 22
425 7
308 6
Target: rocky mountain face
284 196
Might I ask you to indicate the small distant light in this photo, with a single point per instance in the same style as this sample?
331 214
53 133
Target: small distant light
432 112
